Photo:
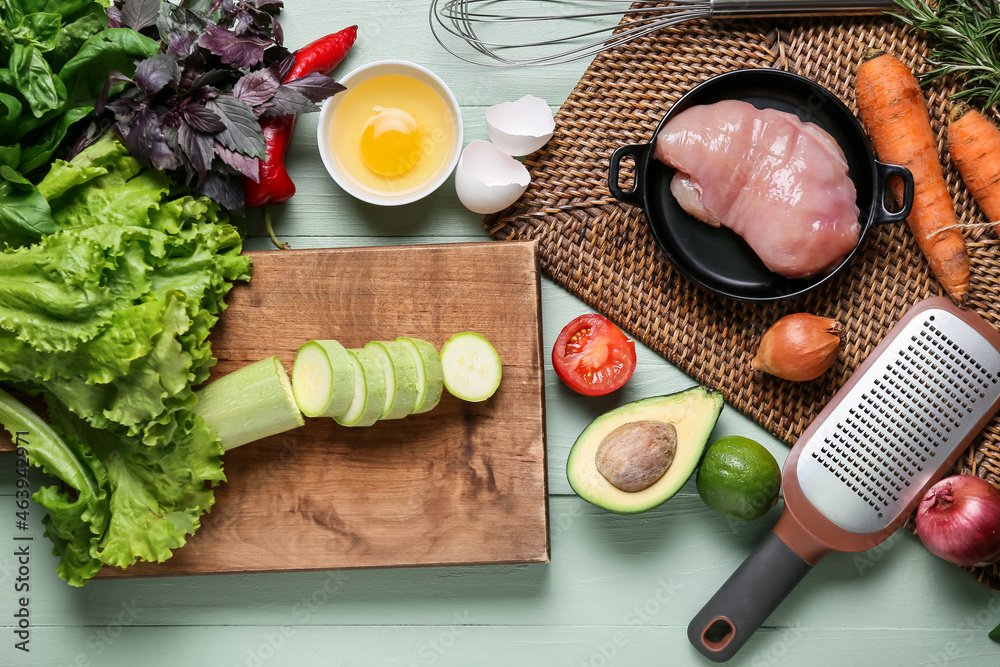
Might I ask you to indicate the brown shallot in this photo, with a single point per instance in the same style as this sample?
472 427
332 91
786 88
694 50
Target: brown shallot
799 347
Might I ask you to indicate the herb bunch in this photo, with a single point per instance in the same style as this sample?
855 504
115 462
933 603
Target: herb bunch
193 108
963 35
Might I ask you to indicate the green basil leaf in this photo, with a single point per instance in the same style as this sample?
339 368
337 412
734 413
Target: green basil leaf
39 154
71 9
6 40
73 35
11 13
11 104
10 174
38 30
31 6
29 73
13 130
111 49
24 211
10 155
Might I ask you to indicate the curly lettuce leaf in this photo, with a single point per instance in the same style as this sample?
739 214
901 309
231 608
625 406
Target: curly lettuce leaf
155 495
109 318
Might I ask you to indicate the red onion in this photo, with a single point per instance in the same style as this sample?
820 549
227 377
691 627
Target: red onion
959 520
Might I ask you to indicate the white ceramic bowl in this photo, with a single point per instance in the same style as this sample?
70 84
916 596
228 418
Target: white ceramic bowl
332 164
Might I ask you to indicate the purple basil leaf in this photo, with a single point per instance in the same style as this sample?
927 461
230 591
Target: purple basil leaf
226 189
277 31
204 81
179 29
242 133
181 43
285 66
201 119
257 87
203 6
152 74
315 87
128 111
248 166
169 133
142 135
269 6
275 57
287 102
241 52
139 14
161 156
197 149
102 98
241 22
114 17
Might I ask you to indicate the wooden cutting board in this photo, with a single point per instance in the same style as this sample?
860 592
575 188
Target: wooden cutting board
462 484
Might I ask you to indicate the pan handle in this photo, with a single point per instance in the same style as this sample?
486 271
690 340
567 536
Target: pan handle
883 172
747 598
639 153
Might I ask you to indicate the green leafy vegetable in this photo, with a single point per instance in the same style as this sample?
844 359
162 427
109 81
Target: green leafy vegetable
193 108
55 58
108 318
964 36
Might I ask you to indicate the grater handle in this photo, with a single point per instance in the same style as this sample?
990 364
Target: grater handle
747 598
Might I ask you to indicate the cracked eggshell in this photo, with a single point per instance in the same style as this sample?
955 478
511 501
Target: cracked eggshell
488 180
520 127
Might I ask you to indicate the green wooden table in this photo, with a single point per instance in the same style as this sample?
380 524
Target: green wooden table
618 590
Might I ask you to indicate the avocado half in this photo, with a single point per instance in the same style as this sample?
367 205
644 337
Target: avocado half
692 412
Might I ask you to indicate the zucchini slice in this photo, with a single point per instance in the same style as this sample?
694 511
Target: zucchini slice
430 376
471 366
369 390
323 379
400 370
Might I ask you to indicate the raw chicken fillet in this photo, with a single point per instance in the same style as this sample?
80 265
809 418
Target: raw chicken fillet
778 182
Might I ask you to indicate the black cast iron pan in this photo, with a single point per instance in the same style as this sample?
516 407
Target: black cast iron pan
718 259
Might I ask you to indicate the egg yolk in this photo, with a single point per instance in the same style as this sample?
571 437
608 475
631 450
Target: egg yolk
390 143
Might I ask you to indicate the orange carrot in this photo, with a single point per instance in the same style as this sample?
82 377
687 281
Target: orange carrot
974 144
894 113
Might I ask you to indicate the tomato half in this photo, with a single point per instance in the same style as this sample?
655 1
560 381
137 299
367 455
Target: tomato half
592 356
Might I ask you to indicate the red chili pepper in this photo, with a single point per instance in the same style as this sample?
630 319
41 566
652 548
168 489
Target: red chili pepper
324 54
274 185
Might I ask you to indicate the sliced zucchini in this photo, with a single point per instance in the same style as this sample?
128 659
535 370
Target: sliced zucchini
471 367
400 371
323 379
369 390
430 377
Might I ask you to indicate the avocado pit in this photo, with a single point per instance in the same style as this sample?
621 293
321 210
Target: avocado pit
636 454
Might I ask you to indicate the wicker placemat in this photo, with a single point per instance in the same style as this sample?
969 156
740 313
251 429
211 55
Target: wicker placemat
604 252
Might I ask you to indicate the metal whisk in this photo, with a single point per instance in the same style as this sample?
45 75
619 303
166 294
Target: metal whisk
481 23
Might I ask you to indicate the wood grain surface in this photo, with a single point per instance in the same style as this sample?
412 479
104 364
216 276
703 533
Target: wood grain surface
462 484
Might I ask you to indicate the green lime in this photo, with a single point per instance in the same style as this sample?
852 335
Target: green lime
739 478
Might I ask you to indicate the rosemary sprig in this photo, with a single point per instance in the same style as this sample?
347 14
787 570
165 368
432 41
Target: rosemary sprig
964 42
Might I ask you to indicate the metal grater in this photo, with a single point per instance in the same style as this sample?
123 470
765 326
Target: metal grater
934 381
896 427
